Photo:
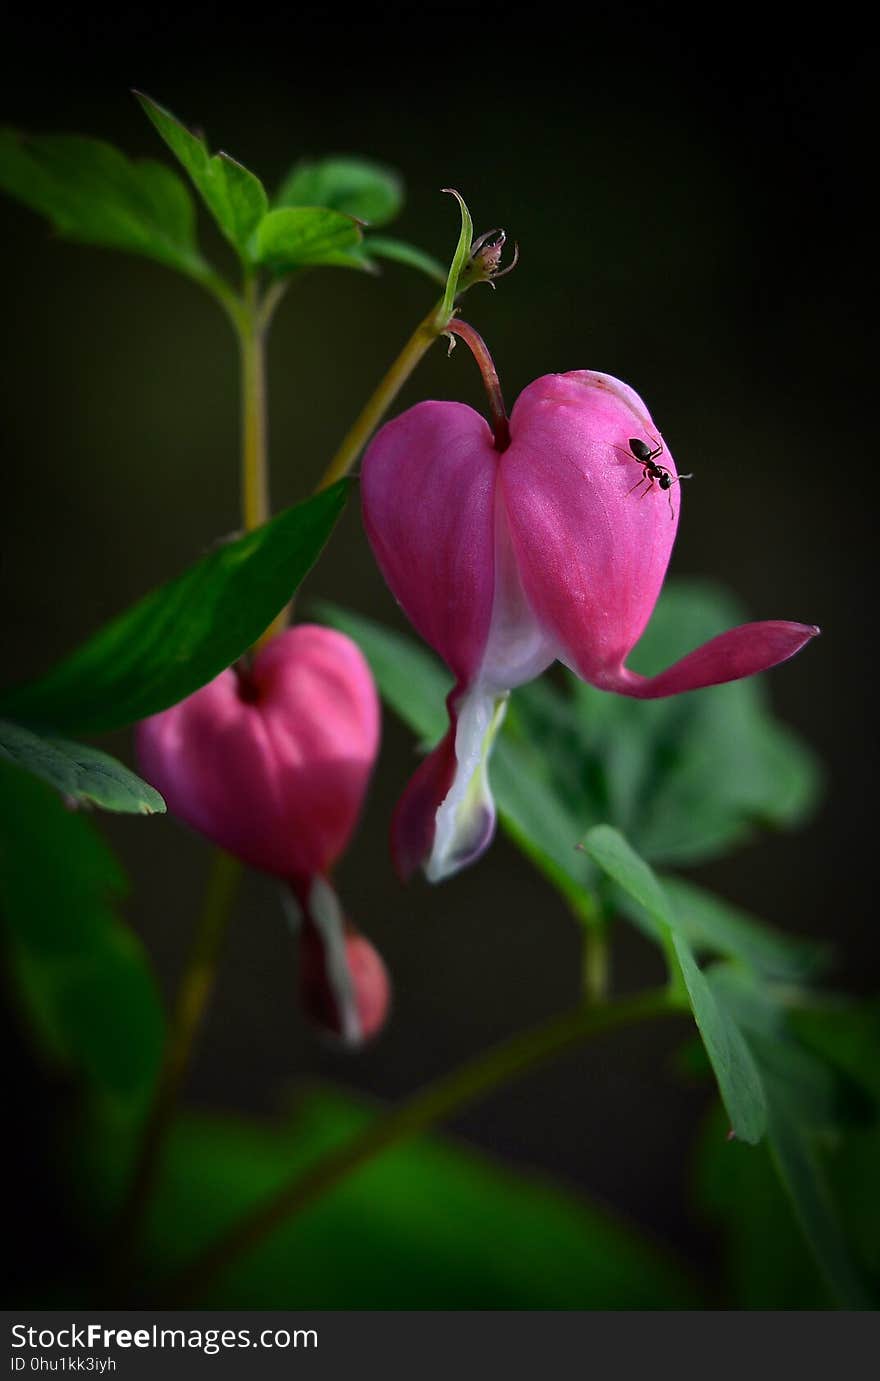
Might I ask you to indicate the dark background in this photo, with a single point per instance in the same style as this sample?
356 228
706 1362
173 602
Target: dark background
690 197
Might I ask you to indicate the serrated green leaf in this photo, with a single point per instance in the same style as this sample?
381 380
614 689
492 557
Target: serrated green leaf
235 196
402 253
307 235
82 976
368 191
735 1071
78 771
459 258
427 1225
185 633
92 193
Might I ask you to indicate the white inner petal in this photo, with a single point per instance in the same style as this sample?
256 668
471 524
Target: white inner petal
517 651
466 820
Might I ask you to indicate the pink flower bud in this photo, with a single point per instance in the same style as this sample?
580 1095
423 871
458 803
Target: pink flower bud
345 991
272 762
506 559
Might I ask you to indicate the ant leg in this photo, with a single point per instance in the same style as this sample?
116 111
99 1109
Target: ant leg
627 455
649 488
645 476
657 447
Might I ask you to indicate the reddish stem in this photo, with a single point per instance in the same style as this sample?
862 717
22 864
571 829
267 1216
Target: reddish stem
480 352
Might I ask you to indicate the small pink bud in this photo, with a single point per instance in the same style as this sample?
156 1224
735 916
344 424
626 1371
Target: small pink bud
484 262
508 552
345 990
272 762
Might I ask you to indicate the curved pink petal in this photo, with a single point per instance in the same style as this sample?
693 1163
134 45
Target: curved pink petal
414 823
592 541
428 493
272 764
742 651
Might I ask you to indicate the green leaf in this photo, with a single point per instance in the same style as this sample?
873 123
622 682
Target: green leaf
428 1225
185 633
459 259
767 1261
804 1106
735 1070
235 197
619 860
82 976
78 771
368 191
302 235
738 1079
93 194
402 253
714 926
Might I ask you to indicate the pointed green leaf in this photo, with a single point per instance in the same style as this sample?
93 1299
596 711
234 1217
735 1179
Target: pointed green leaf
368 191
735 1070
303 235
94 194
235 197
78 771
186 632
82 976
459 258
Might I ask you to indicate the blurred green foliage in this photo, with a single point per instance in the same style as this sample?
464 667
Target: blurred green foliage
428 1225
84 980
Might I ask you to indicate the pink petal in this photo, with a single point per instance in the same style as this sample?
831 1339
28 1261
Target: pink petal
591 554
742 651
272 764
414 822
428 487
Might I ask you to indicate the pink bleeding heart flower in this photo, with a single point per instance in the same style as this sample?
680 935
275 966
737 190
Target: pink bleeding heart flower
546 540
271 761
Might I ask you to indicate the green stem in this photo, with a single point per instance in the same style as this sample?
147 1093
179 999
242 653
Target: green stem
448 1095
254 458
376 406
192 997
597 961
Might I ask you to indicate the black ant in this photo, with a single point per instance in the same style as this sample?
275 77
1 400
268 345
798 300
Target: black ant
651 471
